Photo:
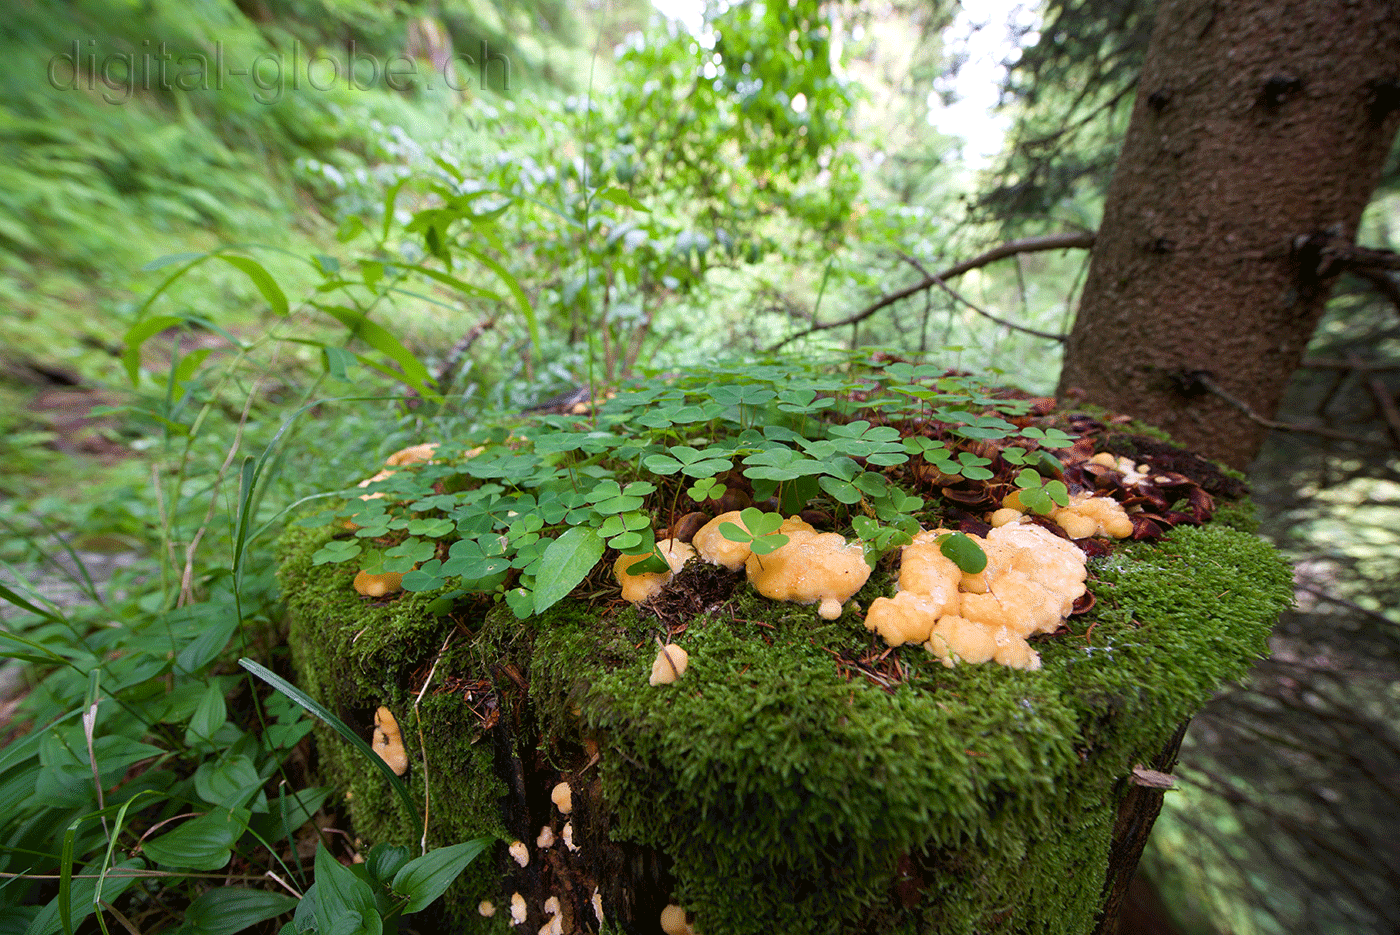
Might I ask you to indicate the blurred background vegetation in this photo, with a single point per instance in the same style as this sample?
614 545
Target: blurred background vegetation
630 195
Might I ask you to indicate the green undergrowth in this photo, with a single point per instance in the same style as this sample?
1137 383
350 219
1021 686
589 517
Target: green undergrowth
787 786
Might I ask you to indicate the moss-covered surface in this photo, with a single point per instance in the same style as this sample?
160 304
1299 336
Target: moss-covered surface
793 781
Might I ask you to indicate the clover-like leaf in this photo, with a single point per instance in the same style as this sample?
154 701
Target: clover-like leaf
662 464
921 445
963 552
839 490
769 543
424 578
337 550
706 488
1050 438
760 530
431 528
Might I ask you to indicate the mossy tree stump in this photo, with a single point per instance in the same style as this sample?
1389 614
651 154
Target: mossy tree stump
798 778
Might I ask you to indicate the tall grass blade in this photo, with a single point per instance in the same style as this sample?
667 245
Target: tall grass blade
341 728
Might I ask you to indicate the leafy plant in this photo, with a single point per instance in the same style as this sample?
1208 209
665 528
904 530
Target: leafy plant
759 532
528 507
1039 495
373 896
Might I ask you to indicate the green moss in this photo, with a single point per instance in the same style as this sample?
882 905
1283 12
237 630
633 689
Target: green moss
354 656
794 796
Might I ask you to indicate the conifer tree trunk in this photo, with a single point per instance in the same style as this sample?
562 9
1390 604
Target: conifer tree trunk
1260 131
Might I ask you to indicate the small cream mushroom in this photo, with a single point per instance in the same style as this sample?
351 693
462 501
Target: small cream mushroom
368 585
568 835
598 906
414 454
812 568
1088 515
1005 515
673 921
520 853
646 585
517 909
555 925
563 798
671 663
710 543
388 742
486 908
545 838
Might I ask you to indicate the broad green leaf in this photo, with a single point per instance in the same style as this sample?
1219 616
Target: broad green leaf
209 716
619 196
338 362
567 561
136 335
344 902
261 278
288 812
80 895
226 910
415 374
386 860
230 781
203 843
208 644
426 878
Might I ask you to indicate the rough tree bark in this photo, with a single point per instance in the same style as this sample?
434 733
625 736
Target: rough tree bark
1258 136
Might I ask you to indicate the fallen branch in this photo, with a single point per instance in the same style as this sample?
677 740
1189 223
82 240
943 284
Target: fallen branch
1082 240
1354 258
1206 382
957 296
448 371
1343 602
1385 403
1332 363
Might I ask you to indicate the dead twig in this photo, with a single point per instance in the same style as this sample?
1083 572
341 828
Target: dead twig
959 297
1385 404
1349 605
1080 239
1206 382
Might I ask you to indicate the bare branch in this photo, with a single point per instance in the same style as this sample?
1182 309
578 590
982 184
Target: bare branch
1207 383
1359 258
1079 239
1385 402
1332 363
1001 321
1349 605
1383 282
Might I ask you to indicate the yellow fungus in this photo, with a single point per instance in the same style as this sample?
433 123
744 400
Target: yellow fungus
388 742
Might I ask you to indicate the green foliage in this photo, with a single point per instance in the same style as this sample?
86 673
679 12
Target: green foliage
1076 84
525 508
963 552
759 531
371 897
1039 495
